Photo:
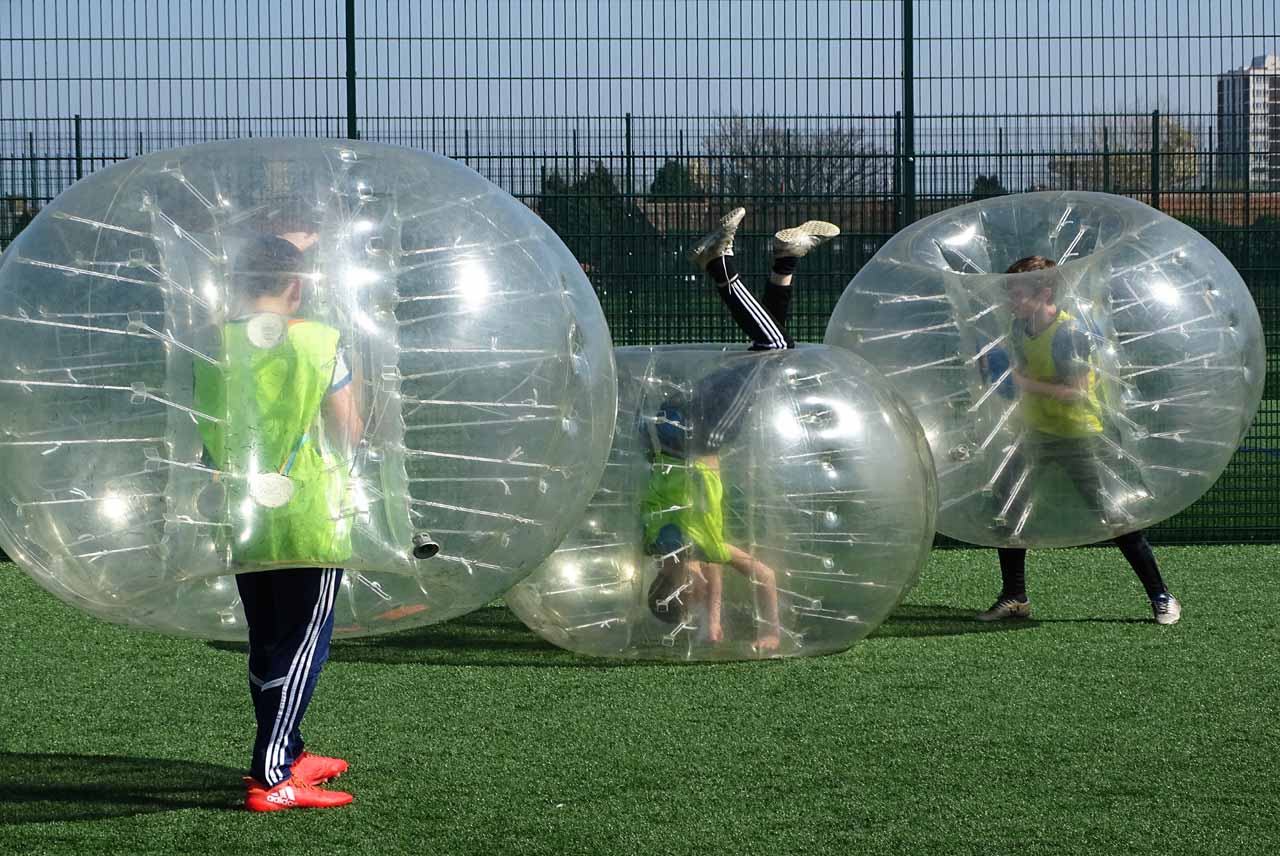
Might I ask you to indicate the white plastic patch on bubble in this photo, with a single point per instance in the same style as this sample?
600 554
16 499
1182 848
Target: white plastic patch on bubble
141 463
1071 403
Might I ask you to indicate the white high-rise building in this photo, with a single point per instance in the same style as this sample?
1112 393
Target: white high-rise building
1249 124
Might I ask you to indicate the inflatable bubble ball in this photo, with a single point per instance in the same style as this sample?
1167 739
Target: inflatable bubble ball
290 353
1083 365
755 505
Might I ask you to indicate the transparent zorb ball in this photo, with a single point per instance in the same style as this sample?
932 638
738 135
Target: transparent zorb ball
1108 409
259 354
755 505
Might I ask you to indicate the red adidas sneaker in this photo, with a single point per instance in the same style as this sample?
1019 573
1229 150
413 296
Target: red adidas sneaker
317 769
291 793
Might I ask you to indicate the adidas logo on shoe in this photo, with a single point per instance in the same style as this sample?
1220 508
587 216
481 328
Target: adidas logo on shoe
290 794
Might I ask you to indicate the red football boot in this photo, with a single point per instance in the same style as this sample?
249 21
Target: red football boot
317 769
291 793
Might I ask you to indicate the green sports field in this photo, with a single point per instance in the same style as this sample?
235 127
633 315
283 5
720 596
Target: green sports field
1087 730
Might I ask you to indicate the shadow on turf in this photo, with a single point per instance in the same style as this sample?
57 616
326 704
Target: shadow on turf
934 619
492 636
495 637
36 788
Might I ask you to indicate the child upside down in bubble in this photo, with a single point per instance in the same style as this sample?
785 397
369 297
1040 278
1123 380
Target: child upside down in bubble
1060 403
683 505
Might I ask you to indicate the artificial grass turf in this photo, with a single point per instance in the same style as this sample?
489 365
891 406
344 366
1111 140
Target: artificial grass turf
1087 729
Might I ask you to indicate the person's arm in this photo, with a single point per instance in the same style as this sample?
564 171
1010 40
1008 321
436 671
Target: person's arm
340 407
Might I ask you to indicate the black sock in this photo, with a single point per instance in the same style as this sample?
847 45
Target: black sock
785 265
1143 561
721 270
1013 573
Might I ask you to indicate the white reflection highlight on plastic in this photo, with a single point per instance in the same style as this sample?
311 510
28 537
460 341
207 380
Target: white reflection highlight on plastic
846 424
962 237
359 496
786 424
358 277
364 322
1164 291
115 508
246 517
361 227
474 285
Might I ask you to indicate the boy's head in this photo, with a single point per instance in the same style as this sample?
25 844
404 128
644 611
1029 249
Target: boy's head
269 270
1025 295
664 597
665 592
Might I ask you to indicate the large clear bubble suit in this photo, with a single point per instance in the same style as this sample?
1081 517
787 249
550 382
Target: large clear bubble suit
1161 324
480 359
827 483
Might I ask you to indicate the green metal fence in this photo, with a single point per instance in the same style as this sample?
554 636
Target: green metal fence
629 125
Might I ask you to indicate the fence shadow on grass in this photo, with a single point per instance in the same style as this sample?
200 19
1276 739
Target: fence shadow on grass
492 636
934 619
42 787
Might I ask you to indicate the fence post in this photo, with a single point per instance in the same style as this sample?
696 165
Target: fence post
1209 182
1106 159
908 115
1155 159
353 130
896 189
1248 219
630 186
1000 176
34 193
79 150
786 162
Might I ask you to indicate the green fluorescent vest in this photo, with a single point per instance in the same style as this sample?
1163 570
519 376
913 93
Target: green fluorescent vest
1048 415
690 495
269 400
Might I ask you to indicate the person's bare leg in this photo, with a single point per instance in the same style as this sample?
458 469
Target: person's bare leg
763 577
715 600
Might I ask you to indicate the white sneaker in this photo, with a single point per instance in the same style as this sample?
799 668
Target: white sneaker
1006 607
799 240
719 241
1166 608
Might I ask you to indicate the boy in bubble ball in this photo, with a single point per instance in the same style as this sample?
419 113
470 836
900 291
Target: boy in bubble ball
683 504
1060 402
282 392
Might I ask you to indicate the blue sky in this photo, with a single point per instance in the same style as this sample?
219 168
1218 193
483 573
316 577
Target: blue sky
471 71
654 57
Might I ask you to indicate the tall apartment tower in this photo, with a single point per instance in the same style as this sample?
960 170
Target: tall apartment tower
1249 124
